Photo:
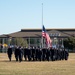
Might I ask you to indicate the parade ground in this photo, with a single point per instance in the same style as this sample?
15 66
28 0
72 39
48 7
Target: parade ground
63 67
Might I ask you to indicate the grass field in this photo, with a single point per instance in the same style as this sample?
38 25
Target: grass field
37 68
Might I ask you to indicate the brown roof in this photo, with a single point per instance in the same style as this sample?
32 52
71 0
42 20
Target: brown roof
3 36
48 29
38 32
61 33
25 34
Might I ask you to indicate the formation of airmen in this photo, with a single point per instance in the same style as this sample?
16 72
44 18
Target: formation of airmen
37 54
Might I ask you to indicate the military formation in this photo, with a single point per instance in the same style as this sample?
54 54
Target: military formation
37 54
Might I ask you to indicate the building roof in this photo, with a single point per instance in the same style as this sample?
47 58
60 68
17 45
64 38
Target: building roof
25 34
60 33
48 29
38 33
3 36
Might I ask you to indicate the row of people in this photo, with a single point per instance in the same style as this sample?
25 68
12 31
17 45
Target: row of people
38 54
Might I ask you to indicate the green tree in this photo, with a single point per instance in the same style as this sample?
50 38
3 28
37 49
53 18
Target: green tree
19 42
69 43
32 41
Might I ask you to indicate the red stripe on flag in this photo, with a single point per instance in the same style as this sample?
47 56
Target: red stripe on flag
46 36
43 34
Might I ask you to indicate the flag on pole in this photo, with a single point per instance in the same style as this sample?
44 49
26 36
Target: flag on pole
46 36
43 31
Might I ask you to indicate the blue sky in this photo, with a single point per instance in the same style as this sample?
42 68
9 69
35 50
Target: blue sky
23 14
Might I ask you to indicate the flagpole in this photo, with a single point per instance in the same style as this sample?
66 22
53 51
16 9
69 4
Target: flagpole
42 14
42 23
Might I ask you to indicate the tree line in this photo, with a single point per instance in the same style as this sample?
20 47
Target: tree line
70 43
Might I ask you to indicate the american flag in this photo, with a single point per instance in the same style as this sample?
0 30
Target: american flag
43 31
46 36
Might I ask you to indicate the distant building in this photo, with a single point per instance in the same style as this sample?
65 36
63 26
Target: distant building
57 36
